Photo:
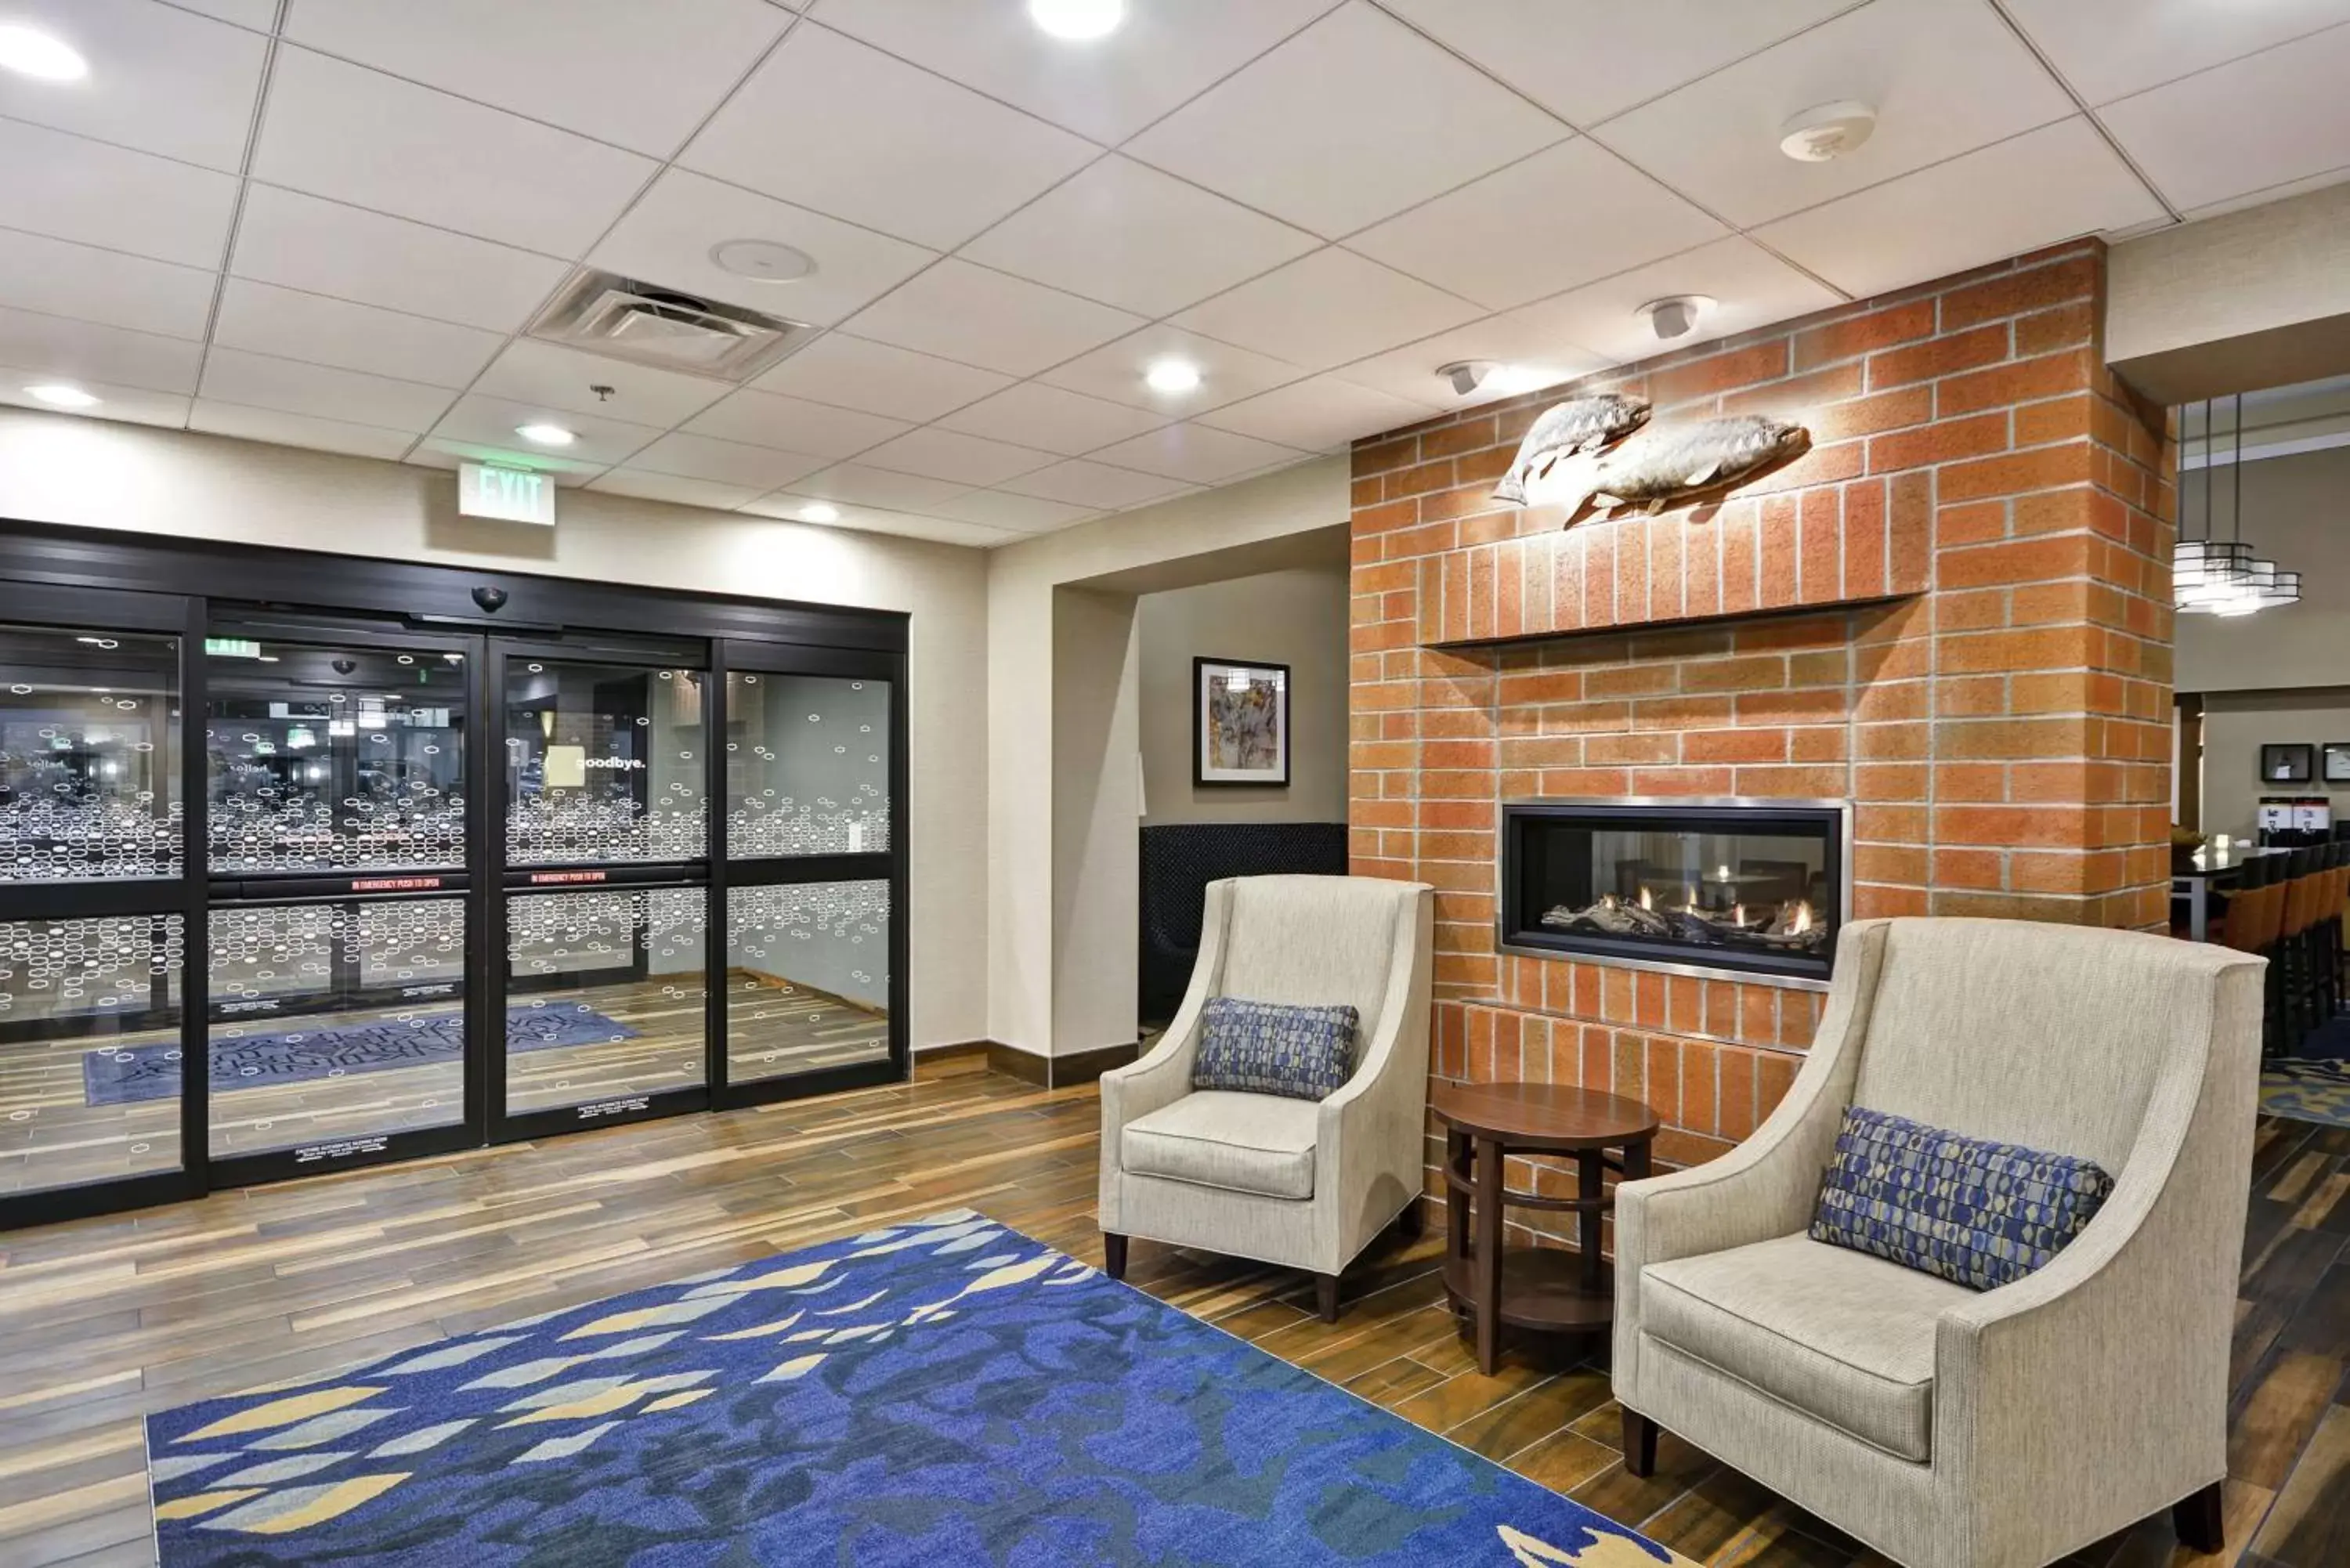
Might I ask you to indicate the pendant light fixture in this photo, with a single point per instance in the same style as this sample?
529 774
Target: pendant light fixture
2223 578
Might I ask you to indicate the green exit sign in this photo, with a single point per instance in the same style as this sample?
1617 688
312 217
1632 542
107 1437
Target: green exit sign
231 648
506 495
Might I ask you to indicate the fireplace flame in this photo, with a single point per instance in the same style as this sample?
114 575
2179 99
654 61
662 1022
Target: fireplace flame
1689 898
1738 914
1647 900
1803 920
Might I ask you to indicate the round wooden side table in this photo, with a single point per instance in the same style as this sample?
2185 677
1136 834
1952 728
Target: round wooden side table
1548 1290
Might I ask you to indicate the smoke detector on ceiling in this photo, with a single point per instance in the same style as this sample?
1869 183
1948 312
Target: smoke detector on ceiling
1827 130
767 261
649 325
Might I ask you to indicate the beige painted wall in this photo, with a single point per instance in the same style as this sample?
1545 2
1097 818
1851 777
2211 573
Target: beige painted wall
1061 900
57 469
2235 727
2296 509
1294 618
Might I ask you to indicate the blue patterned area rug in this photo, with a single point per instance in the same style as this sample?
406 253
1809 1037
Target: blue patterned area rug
296 1056
929 1395
2304 1091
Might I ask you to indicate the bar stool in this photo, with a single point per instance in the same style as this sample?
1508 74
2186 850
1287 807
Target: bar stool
2254 924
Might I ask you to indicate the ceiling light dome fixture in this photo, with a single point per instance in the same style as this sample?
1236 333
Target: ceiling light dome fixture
1676 316
29 52
545 434
1172 376
1827 130
57 395
1078 21
819 512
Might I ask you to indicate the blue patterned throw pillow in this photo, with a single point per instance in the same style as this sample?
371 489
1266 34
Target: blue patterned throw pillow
1977 1213
1270 1048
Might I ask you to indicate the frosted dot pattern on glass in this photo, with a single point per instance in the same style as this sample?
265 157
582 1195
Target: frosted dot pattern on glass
261 954
807 765
604 764
65 969
555 932
88 762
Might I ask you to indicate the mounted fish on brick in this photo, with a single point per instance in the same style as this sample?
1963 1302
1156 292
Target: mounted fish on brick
1669 464
1572 429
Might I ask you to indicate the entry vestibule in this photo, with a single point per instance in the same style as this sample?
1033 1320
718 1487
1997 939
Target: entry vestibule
415 858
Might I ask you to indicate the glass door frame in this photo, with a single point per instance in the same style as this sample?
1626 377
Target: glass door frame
282 889
170 615
503 881
745 656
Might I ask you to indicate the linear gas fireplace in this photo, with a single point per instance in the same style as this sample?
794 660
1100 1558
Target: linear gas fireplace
1691 886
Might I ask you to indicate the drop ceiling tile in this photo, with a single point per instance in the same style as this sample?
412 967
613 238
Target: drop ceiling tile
1331 307
69 187
324 247
490 423
1198 453
1324 414
2278 115
591 65
128 405
794 424
676 491
1033 414
292 324
2040 188
69 351
1097 485
937 454
853 483
1017 513
1567 215
161 81
1116 372
667 237
259 15
878 379
990 319
2109 48
687 456
442 451
337 130
1528 353
1352 120
530 371
256 381
1600 60
1751 289
903 150
1946 77
1123 232
880 520
1107 88
285 427
61 279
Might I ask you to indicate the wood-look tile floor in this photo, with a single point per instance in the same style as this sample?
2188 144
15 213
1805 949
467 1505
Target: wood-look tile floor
105 1320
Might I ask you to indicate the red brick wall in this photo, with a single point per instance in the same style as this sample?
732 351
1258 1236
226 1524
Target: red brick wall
1954 612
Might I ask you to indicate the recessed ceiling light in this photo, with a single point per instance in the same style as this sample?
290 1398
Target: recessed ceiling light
1827 130
546 435
58 396
1172 376
767 260
31 53
1079 21
819 512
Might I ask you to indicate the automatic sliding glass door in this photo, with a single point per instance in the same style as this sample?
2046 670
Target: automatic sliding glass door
604 888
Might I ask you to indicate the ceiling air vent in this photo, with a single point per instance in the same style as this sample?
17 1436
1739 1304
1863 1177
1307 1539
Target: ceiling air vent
649 325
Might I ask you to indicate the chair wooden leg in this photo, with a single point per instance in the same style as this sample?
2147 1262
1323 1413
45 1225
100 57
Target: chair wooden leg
1114 1255
1640 1445
1412 1222
1326 1297
2198 1520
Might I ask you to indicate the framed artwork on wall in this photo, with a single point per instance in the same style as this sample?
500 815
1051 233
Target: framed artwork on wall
1240 722
2334 763
2296 763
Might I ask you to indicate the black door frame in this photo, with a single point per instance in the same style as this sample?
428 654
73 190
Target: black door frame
53 575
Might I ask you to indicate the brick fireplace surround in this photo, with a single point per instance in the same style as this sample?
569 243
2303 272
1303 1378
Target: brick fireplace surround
1953 613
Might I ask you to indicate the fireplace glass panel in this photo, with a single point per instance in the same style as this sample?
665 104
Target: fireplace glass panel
1757 889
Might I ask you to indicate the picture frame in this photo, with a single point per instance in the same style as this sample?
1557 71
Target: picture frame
2293 763
2333 764
1240 723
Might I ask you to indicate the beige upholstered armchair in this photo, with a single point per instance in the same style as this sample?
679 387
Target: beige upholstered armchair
1944 1427
1285 1181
